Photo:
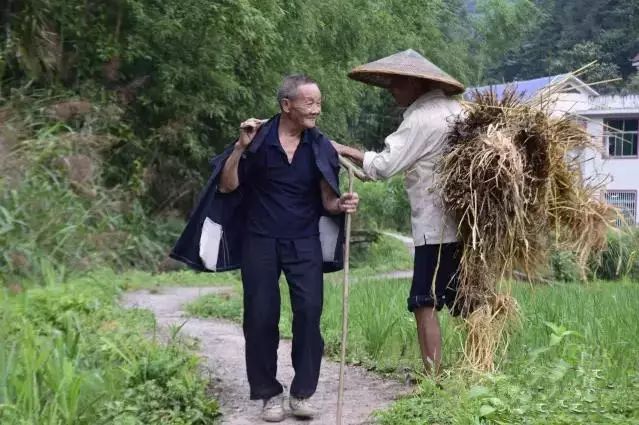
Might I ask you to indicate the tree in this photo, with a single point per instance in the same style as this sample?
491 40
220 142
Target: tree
500 26
571 33
186 72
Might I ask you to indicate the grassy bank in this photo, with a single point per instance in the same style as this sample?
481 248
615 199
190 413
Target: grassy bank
71 355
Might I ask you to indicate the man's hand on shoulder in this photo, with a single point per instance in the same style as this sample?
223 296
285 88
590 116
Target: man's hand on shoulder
349 152
338 147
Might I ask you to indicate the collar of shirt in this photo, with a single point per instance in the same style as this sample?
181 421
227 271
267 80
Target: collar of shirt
426 97
274 138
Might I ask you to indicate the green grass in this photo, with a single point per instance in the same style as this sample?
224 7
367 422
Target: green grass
573 359
49 232
136 279
71 355
384 255
223 306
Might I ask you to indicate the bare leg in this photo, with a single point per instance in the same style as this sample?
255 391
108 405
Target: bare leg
430 339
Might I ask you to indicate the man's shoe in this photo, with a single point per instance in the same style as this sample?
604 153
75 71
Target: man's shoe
273 411
301 408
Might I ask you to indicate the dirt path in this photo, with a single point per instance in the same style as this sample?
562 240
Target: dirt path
410 246
407 240
222 345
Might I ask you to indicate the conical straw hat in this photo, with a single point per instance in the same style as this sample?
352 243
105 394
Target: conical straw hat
408 63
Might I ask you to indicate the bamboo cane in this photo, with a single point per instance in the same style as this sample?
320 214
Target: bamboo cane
347 249
348 164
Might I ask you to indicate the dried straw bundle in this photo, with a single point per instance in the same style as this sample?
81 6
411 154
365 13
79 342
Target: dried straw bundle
513 181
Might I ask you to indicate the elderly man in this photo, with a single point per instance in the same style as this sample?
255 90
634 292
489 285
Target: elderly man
279 182
415 149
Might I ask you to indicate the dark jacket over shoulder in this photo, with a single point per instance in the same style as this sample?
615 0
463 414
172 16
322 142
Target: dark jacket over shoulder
212 238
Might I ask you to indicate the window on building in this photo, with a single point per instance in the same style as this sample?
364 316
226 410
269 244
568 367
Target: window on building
626 202
621 137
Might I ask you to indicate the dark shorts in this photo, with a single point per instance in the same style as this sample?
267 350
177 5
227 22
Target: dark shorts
428 290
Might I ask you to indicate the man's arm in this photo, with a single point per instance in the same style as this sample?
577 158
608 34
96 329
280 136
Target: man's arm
336 205
403 148
229 179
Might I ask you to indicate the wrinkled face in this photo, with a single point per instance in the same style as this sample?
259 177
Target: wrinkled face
305 107
406 90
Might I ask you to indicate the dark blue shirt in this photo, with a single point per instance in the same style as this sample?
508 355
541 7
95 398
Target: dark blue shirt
285 200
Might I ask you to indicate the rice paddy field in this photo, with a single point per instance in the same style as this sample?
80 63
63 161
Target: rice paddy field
572 359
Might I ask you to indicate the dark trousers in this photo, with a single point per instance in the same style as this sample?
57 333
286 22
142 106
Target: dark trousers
263 260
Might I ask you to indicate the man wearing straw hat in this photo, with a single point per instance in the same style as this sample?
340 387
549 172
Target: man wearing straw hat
414 149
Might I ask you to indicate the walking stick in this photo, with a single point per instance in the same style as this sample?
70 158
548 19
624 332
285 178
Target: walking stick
352 171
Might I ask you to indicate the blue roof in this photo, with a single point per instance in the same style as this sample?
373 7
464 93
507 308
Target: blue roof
527 88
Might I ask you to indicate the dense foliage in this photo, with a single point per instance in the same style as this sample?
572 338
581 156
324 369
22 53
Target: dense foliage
186 72
144 92
566 34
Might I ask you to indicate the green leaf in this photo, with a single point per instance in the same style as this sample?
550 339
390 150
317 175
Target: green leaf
486 410
555 339
478 391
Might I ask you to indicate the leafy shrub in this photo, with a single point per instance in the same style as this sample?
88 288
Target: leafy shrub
57 213
383 206
620 260
563 266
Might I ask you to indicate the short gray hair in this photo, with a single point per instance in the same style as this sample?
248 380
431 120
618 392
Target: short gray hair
288 88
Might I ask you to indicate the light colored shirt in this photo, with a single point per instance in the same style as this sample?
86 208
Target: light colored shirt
415 149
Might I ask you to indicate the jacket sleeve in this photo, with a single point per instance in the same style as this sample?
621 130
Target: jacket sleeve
333 160
330 164
414 139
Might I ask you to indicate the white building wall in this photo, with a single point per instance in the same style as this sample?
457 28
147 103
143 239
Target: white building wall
617 173
570 103
613 105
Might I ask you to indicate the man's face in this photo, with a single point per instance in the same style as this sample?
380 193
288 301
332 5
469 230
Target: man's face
305 107
405 91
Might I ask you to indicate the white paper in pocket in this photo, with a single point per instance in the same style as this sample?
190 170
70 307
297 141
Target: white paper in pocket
329 231
210 243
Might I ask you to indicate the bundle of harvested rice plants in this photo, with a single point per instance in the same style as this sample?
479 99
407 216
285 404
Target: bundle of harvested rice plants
512 179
